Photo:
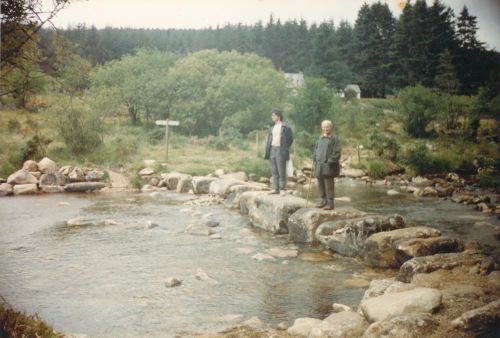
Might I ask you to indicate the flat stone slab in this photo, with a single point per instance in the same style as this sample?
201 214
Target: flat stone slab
380 248
270 212
84 186
201 184
348 237
303 223
435 262
483 321
407 325
423 300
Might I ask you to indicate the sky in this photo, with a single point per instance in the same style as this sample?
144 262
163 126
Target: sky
204 13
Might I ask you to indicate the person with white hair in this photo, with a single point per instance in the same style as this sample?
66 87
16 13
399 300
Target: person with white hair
327 164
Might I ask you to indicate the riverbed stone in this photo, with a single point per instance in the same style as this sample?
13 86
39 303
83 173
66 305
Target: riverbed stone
423 300
172 179
148 171
302 326
270 212
199 229
221 186
6 189
233 198
430 192
417 247
378 287
348 237
52 178
46 165
303 223
282 253
94 176
84 186
426 264
185 184
353 173
66 170
340 325
172 282
240 176
481 322
21 177
462 198
76 175
51 189
412 325
420 181
25 189
201 184
380 248
30 165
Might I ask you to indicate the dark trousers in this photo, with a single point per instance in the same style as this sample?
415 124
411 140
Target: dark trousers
327 188
278 169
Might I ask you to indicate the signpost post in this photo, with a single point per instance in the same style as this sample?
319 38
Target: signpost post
166 123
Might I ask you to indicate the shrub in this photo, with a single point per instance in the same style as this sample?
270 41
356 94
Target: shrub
13 125
419 106
423 162
79 127
384 146
376 168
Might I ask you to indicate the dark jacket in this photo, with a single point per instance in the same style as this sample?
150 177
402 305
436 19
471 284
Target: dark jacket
327 157
285 141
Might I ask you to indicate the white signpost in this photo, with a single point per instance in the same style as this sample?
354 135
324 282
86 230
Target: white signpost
166 123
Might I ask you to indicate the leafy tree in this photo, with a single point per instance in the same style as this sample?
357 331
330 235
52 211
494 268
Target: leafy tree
134 81
448 85
213 89
419 106
312 104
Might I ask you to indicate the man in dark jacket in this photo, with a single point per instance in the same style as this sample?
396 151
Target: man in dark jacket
327 164
279 140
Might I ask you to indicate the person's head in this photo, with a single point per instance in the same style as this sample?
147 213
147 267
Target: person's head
276 115
326 127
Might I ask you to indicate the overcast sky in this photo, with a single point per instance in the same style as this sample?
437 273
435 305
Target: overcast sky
205 13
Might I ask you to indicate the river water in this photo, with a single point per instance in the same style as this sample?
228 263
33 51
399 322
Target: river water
107 279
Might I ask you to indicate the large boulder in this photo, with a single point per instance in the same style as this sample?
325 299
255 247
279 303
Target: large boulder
270 212
412 325
5 189
76 175
354 173
185 184
380 248
25 189
344 324
21 177
348 237
435 262
94 176
173 179
50 189
423 300
233 198
147 172
481 322
84 186
378 287
52 178
46 165
240 176
303 223
66 170
201 184
302 326
221 187
30 165
417 247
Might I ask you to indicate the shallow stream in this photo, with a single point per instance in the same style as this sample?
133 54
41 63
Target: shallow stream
107 280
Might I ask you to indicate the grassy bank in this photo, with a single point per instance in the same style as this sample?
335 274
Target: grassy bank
17 324
373 125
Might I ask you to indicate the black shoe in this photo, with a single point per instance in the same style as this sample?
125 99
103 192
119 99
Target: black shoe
329 207
274 192
321 204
